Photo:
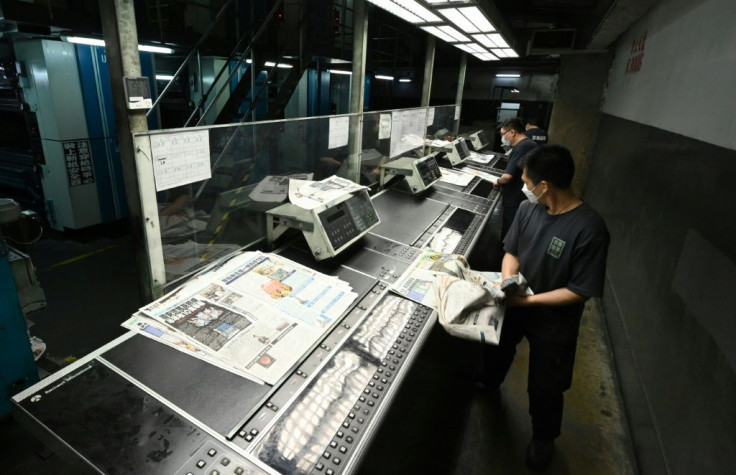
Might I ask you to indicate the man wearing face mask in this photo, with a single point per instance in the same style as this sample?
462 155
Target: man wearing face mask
559 244
512 133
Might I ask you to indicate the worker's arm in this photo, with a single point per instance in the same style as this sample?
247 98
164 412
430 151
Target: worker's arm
503 179
509 266
553 298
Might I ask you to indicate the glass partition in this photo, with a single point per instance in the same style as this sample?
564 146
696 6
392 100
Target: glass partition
205 190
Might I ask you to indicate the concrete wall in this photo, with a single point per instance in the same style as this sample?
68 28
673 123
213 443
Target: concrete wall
662 173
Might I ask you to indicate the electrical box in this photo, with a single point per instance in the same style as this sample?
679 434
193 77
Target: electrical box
457 151
329 228
478 140
419 173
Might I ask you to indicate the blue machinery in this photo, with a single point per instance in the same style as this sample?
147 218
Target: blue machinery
17 367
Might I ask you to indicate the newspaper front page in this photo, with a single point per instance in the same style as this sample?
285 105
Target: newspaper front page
256 315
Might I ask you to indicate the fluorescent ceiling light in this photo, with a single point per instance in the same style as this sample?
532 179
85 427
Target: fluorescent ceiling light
404 80
386 78
164 77
485 56
469 19
514 91
340 71
510 53
414 7
452 32
477 48
465 47
454 15
391 7
498 40
85 41
271 64
478 18
80 40
483 39
439 34
500 53
155 49
508 75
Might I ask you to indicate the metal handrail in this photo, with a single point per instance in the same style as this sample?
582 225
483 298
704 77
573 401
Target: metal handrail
235 69
204 36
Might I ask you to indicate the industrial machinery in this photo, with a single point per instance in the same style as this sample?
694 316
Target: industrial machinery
17 367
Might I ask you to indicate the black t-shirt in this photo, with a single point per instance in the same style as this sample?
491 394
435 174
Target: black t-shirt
511 191
538 135
563 251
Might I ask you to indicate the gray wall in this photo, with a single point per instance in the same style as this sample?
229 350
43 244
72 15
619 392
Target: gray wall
662 175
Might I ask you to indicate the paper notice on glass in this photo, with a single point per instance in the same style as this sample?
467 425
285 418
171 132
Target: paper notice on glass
455 177
310 194
481 174
457 112
430 116
275 188
339 128
384 127
180 158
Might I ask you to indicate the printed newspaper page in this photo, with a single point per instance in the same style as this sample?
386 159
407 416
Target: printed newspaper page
310 194
470 304
257 314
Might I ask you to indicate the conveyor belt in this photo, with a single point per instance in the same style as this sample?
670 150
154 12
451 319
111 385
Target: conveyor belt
135 406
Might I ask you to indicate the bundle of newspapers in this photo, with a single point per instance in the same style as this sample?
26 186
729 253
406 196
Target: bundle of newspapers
255 315
470 304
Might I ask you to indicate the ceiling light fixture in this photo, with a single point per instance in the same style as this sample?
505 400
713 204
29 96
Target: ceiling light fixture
270 64
385 78
81 40
155 49
404 80
164 77
340 71
452 32
508 75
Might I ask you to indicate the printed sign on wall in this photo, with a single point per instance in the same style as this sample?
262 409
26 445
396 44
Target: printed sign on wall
636 59
78 162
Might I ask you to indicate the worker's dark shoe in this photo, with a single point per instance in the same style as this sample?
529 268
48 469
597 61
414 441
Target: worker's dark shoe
539 454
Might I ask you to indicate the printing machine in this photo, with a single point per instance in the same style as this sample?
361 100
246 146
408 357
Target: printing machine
137 406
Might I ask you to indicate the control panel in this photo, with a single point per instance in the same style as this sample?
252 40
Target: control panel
326 423
457 151
348 220
478 140
419 173
329 228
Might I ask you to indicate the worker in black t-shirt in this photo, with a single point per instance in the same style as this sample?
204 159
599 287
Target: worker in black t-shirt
512 133
534 132
559 244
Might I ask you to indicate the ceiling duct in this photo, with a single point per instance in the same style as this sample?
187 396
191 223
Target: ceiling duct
552 41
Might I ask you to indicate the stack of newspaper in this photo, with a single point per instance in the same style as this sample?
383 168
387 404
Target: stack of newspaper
470 304
256 315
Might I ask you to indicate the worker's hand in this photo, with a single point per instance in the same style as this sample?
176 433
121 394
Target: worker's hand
516 300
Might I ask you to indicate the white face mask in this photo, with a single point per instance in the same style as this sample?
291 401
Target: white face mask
531 196
504 141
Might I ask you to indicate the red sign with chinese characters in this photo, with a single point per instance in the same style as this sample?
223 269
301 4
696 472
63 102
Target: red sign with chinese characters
633 65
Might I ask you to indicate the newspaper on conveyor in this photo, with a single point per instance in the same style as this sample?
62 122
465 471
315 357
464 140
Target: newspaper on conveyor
255 315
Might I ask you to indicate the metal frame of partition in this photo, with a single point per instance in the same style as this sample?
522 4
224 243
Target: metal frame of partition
218 215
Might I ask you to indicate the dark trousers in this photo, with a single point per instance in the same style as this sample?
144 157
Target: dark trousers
550 372
509 213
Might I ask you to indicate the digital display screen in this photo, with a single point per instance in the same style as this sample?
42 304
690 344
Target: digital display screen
335 216
482 138
462 149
